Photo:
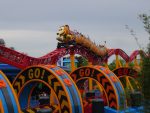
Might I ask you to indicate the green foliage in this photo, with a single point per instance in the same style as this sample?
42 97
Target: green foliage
12 48
146 21
146 66
81 61
146 82
131 64
112 65
146 73
2 42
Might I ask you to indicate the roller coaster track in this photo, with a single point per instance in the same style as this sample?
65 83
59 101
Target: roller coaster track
122 54
22 61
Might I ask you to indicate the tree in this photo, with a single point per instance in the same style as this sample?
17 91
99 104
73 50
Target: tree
12 48
112 65
2 42
146 65
81 61
146 21
146 83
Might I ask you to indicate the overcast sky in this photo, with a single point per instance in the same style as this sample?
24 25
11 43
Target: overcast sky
31 25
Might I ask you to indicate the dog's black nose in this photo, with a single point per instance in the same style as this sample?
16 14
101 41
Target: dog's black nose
57 33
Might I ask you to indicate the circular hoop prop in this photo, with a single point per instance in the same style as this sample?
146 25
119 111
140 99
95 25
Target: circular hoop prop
54 78
129 73
125 71
108 80
8 99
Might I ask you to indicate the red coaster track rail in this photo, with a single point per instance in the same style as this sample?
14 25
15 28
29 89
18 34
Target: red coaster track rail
21 60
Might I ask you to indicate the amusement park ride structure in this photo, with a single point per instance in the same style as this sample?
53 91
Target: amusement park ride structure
83 46
44 70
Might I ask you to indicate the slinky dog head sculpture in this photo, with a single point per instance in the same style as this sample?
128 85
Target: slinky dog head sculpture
63 33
